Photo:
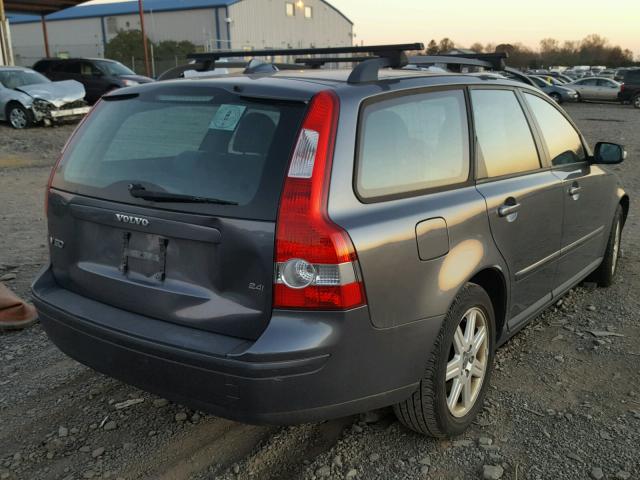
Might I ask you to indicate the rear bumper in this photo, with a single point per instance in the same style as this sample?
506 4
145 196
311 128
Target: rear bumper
306 366
625 95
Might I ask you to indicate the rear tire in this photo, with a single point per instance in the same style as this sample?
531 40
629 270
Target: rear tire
439 408
604 276
636 101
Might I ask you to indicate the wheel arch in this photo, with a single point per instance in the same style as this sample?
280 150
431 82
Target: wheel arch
10 105
493 281
624 203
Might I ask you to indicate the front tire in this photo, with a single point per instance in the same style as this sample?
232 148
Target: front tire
458 370
556 98
19 117
636 101
606 272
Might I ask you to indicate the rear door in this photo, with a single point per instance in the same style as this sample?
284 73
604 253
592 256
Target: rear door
66 70
94 80
588 89
417 203
205 265
585 191
608 89
524 199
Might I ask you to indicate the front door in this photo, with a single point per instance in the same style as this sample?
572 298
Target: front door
585 222
524 201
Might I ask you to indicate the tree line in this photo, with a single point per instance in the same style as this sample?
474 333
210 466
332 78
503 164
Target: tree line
591 50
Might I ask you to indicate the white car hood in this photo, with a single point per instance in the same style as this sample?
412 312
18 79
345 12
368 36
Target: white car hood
56 93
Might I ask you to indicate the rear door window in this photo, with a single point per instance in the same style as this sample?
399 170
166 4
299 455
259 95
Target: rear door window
412 143
505 143
562 140
202 142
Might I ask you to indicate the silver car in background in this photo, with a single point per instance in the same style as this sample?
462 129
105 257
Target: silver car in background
596 88
27 98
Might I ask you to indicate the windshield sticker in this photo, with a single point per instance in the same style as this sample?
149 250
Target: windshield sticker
227 117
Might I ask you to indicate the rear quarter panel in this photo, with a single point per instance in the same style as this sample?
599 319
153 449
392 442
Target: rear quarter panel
400 287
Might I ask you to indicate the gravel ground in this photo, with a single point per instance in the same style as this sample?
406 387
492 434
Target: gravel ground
564 404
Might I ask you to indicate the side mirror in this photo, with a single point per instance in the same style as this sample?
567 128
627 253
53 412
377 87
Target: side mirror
609 153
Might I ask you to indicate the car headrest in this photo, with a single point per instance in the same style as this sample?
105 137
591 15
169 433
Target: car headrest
254 134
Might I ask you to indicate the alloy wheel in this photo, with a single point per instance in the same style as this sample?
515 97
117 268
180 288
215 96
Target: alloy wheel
636 101
467 365
18 118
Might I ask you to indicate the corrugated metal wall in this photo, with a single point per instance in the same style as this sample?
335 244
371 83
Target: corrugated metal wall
265 24
247 24
82 38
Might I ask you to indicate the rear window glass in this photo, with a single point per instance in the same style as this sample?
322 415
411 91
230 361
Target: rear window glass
413 143
632 75
204 142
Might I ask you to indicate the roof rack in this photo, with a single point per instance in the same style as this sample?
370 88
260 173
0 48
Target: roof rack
366 71
377 50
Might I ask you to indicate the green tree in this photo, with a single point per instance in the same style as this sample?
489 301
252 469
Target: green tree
125 46
169 49
432 48
445 45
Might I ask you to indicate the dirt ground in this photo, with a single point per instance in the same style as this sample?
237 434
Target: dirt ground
564 404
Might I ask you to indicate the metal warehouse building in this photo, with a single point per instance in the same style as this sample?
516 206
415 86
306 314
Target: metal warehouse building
209 24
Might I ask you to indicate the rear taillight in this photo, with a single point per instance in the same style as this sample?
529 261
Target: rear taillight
316 263
622 87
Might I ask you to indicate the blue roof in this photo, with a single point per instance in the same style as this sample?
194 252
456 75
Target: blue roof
121 8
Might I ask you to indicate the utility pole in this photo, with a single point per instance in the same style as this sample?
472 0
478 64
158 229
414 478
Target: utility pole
6 55
144 39
45 36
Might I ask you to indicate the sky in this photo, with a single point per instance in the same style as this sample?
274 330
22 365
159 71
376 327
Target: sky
492 21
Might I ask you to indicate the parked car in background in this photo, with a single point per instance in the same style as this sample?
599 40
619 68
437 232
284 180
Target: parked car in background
561 77
630 89
251 265
559 93
596 88
27 98
98 75
607 73
619 75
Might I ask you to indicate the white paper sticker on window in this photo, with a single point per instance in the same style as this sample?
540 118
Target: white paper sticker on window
227 117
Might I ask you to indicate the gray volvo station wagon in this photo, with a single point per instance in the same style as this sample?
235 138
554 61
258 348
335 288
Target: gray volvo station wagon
284 246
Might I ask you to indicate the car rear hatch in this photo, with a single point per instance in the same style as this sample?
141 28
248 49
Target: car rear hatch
165 201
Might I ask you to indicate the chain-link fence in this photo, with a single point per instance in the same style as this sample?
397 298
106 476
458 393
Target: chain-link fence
26 56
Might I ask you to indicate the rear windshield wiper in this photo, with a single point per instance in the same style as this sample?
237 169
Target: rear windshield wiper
138 191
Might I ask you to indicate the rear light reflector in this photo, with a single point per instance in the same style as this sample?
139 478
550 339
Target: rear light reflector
316 263
304 155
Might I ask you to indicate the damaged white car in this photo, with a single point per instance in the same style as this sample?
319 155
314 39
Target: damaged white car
27 98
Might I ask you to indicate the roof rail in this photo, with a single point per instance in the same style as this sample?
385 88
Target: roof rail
494 61
317 62
178 72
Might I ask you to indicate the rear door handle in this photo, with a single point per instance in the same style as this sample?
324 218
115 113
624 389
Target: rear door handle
506 210
574 190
